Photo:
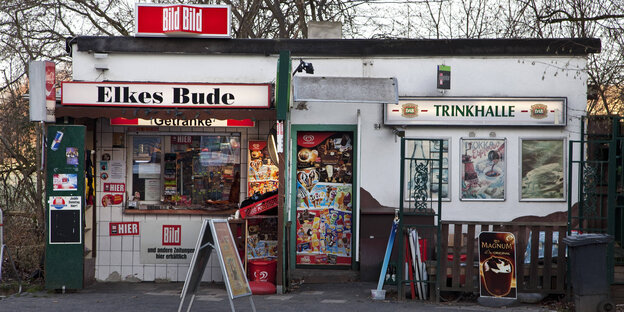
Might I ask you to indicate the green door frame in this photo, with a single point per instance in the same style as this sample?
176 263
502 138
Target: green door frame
294 129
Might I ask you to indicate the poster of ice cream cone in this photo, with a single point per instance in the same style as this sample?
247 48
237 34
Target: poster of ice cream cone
324 198
263 174
497 265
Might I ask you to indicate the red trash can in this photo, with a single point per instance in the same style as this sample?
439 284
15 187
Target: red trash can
262 270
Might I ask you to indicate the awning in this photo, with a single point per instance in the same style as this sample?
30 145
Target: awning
346 89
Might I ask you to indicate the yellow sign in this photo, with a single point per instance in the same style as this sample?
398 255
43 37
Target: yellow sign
234 275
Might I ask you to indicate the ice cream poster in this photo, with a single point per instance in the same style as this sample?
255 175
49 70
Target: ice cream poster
324 237
324 197
263 174
483 170
497 265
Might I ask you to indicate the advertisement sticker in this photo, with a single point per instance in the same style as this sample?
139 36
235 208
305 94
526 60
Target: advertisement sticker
65 182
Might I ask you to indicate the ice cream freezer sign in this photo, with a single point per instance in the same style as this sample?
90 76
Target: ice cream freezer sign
168 241
497 265
475 111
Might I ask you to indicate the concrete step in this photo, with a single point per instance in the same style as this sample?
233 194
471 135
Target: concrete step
316 276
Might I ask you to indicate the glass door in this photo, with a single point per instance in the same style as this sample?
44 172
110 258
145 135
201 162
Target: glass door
324 198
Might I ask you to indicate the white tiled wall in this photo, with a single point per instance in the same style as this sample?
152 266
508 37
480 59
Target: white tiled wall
121 254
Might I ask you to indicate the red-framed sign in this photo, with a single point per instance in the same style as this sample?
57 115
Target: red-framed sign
196 21
120 121
123 228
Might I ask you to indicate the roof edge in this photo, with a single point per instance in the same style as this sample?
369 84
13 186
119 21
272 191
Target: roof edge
339 47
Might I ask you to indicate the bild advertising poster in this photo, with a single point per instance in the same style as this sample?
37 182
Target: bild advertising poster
483 169
497 264
324 198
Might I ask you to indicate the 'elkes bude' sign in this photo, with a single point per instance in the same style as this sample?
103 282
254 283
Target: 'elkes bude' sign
166 95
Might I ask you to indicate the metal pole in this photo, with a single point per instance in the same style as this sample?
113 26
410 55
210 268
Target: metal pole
1 243
253 306
191 303
231 303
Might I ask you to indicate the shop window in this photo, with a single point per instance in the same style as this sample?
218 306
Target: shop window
146 161
422 169
186 171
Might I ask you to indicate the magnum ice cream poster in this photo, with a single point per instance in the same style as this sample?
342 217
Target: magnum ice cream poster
483 169
497 264
324 198
542 169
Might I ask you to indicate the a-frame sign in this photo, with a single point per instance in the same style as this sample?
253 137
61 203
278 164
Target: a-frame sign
218 237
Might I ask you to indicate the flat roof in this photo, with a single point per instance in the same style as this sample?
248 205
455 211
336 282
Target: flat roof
339 47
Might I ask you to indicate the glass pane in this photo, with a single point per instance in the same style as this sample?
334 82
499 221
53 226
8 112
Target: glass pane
205 170
146 161
422 169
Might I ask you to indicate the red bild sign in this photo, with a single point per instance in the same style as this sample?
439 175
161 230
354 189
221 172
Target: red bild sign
172 235
205 21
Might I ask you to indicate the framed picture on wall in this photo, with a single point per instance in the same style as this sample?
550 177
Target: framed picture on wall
483 169
542 173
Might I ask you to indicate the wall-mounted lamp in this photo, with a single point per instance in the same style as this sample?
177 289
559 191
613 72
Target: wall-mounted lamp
399 133
309 69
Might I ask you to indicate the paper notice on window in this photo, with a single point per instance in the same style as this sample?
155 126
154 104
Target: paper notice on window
152 189
117 171
149 171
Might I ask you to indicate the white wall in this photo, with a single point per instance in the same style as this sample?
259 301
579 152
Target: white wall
471 77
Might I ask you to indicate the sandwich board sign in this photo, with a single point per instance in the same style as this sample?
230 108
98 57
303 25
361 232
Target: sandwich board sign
497 265
215 234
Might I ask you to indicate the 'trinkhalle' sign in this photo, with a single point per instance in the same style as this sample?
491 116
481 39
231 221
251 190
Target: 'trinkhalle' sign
182 95
197 21
467 111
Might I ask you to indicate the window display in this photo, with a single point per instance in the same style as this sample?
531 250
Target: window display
187 171
263 174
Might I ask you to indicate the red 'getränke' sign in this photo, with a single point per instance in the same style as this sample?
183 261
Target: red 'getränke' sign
204 21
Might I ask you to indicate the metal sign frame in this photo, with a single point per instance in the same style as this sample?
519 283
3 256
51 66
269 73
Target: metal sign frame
206 242
472 111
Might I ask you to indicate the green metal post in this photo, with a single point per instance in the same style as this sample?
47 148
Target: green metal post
439 226
65 189
611 195
400 231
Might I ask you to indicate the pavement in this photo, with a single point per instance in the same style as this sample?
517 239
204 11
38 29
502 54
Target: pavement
148 296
